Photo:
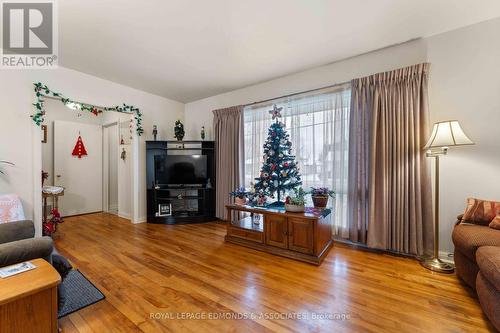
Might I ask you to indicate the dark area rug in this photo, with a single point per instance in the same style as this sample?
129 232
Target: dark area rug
80 293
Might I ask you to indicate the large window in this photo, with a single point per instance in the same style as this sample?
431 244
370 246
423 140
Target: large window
318 124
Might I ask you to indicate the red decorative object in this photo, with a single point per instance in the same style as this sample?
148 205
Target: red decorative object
94 111
50 227
79 149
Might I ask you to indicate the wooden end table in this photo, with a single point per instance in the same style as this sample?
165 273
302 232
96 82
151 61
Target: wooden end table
28 300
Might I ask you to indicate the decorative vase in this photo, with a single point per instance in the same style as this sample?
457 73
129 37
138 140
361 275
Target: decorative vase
240 201
294 208
320 201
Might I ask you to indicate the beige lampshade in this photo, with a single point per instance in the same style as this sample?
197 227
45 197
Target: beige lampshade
447 134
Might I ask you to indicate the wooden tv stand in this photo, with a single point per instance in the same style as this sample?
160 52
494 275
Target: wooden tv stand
301 236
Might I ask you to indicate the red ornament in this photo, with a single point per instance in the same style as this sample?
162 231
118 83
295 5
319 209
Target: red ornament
285 164
94 111
48 228
79 149
273 167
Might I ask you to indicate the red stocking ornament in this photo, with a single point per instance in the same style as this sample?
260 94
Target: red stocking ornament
79 149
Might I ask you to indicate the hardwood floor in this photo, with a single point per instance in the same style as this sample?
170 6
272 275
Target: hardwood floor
153 275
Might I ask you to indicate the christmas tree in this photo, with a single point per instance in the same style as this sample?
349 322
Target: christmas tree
279 173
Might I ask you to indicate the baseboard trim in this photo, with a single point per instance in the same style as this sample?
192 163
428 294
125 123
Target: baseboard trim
142 219
124 216
446 257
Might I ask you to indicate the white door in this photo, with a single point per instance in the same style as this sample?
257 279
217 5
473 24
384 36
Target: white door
81 177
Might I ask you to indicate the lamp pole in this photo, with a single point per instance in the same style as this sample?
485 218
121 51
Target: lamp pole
434 263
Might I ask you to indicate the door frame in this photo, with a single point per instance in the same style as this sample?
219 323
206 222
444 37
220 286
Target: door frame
36 134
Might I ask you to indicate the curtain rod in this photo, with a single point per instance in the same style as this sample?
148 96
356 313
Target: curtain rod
298 93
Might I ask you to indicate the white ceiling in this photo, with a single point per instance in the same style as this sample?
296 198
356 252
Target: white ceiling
190 49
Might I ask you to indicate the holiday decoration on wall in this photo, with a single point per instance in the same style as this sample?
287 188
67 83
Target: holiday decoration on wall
279 173
79 149
42 91
179 130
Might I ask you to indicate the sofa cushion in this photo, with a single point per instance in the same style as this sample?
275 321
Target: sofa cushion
11 208
495 223
480 211
469 237
25 249
488 261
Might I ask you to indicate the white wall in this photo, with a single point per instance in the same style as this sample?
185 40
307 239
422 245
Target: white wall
199 113
17 131
464 85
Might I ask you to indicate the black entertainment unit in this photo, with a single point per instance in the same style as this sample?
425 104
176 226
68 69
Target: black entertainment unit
180 179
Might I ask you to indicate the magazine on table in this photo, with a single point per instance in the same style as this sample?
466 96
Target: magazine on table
16 269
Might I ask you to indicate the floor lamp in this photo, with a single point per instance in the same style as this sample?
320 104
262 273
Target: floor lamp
445 134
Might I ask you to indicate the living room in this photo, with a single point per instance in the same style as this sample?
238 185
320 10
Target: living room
251 166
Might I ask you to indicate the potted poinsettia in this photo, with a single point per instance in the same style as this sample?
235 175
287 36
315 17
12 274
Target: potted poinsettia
240 196
320 196
296 202
50 226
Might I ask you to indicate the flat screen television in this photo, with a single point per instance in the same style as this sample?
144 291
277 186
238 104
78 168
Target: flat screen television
181 169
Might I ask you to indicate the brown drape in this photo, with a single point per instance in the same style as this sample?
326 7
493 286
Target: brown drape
393 108
228 131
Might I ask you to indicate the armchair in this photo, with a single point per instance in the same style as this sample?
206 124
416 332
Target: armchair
17 243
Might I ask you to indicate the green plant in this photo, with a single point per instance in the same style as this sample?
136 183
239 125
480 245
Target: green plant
240 192
179 130
322 192
5 162
298 198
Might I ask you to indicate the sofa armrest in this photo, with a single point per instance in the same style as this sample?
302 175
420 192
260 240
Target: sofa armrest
459 219
14 231
25 249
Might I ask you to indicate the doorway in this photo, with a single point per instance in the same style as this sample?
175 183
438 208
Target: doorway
81 176
111 155
102 178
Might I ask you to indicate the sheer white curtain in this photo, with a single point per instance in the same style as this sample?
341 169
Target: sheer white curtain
318 124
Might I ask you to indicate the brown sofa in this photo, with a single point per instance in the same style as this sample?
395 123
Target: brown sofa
477 261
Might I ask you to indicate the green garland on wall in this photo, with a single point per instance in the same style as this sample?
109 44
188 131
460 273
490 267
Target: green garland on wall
42 90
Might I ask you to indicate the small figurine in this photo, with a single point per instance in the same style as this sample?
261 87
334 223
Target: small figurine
122 142
155 131
123 155
202 132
